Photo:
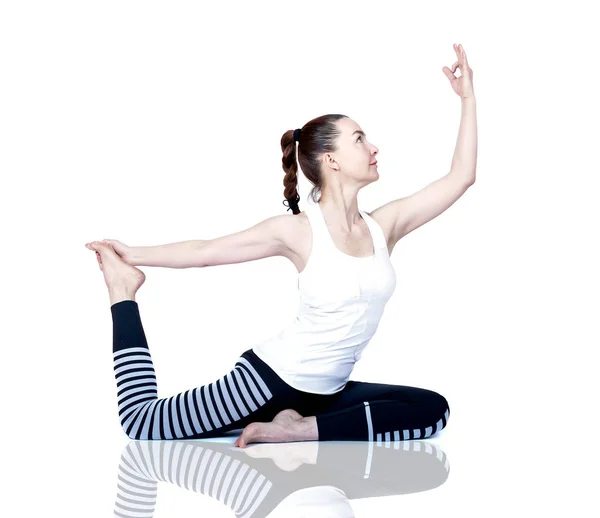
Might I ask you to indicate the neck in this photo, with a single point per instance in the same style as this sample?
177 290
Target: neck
342 214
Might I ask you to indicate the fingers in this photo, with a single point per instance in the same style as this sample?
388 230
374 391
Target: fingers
104 242
448 73
462 55
96 245
99 258
461 63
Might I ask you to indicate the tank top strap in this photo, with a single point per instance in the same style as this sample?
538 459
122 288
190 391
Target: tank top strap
319 228
376 231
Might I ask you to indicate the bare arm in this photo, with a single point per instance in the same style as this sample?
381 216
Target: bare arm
173 255
265 239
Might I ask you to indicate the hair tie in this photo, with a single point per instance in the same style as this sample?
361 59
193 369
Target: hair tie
297 134
292 204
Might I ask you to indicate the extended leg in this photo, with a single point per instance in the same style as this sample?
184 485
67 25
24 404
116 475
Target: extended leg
206 411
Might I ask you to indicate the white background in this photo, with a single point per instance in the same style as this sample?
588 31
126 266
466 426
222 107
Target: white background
157 122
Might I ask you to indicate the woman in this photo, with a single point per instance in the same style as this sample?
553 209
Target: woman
296 386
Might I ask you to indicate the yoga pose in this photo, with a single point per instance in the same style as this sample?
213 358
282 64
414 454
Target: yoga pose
295 386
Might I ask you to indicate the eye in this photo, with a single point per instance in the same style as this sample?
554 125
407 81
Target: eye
358 139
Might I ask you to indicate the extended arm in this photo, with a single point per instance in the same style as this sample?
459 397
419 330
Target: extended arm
464 161
404 215
265 239
182 254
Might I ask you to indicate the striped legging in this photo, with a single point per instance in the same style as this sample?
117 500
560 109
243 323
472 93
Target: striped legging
253 392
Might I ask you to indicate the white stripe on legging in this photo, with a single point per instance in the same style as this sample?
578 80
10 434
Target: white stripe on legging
416 432
189 412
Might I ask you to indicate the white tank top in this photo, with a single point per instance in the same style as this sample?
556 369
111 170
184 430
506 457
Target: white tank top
342 299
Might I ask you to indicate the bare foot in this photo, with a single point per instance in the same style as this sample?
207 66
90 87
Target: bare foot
281 429
118 275
263 432
286 416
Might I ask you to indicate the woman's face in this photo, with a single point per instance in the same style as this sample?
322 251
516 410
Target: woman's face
355 153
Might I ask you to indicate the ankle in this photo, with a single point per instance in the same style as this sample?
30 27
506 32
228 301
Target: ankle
118 294
308 429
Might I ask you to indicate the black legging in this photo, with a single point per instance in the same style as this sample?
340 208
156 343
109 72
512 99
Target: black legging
253 392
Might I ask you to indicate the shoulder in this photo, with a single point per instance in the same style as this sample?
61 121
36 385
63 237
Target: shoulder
292 230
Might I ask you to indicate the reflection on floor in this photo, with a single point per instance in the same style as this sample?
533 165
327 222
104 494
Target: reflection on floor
277 479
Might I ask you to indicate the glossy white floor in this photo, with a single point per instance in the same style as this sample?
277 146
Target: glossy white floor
286 479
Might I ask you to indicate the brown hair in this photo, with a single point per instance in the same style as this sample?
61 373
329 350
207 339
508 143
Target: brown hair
317 137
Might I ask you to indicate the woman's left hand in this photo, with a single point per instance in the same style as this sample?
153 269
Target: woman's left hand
462 85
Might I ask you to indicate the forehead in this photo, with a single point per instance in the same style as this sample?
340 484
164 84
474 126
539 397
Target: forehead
349 128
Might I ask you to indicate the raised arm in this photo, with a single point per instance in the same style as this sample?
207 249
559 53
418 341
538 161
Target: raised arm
265 239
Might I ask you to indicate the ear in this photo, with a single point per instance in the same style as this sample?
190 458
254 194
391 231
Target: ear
330 162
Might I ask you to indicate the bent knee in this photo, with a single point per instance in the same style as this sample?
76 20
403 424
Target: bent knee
438 404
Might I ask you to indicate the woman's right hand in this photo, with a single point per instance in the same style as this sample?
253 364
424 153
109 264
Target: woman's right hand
124 251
